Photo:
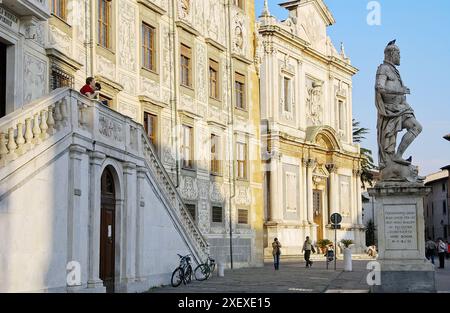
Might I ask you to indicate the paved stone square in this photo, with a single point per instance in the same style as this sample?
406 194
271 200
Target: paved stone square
293 277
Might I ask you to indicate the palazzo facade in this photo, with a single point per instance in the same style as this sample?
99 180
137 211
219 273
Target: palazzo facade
312 167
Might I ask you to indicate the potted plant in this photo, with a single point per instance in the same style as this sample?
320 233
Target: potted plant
347 243
323 244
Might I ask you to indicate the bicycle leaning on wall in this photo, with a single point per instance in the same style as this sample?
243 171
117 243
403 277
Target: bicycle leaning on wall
203 271
183 273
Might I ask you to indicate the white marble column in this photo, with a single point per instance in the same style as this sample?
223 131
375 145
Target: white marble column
75 222
96 161
130 179
141 174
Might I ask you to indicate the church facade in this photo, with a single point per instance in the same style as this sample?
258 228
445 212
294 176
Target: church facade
312 167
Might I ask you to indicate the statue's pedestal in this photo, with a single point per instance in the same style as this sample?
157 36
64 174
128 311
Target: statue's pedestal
401 238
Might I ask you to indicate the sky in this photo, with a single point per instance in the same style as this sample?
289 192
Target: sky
422 30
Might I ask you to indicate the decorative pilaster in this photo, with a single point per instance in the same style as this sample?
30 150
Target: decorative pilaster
96 161
276 210
129 173
141 173
76 207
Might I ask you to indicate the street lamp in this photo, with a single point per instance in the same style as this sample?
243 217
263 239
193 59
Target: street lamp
447 137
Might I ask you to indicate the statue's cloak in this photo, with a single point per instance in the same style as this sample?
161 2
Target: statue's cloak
390 118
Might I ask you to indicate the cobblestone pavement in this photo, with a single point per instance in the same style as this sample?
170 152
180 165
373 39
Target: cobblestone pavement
293 277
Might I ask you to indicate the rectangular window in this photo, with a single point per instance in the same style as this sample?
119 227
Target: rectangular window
444 207
187 151
192 210
217 214
242 216
287 94
150 126
213 79
104 23
341 115
443 187
240 91
186 66
59 8
148 47
241 159
59 78
215 163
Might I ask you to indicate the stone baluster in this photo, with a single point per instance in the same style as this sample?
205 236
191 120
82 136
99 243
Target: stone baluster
12 146
58 116
50 121
28 133
36 130
3 149
20 140
64 111
43 126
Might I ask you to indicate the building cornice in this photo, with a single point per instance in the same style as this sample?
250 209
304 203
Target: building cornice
304 46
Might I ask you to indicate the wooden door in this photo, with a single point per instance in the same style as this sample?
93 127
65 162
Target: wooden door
107 231
318 212
2 79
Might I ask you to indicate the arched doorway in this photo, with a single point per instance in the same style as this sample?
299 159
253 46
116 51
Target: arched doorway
107 230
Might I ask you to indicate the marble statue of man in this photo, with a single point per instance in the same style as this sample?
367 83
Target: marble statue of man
394 113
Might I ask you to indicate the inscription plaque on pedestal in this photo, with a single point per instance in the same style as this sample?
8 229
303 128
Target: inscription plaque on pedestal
400 227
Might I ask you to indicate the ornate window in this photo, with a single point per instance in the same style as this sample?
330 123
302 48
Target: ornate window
240 91
59 8
342 115
60 78
151 126
192 210
242 216
148 47
241 160
217 214
287 94
186 148
214 79
186 66
215 152
104 23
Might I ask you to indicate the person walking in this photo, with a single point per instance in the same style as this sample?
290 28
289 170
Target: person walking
307 249
430 249
276 245
441 251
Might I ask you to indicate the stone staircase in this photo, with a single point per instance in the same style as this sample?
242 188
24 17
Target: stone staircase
40 125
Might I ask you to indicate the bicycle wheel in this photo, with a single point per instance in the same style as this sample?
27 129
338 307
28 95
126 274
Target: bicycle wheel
177 277
202 272
188 274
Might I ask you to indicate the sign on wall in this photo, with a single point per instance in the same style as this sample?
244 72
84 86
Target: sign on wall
9 20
